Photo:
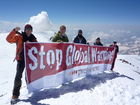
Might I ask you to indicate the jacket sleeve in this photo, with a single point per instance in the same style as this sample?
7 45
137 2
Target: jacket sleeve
117 49
34 39
85 41
67 40
13 37
55 38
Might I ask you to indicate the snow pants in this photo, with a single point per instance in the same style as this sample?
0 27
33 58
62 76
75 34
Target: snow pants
18 82
113 63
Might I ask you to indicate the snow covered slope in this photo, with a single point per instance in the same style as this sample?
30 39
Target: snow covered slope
119 88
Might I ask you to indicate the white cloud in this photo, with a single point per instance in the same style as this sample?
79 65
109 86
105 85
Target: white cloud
41 26
40 22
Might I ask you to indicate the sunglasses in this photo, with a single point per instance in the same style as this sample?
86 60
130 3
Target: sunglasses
28 29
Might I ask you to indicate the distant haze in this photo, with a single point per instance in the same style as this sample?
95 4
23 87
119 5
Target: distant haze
128 36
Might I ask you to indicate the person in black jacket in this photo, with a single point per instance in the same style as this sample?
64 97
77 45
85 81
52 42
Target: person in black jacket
115 55
98 42
80 38
19 38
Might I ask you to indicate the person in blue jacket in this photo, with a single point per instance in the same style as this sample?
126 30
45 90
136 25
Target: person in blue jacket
80 38
98 42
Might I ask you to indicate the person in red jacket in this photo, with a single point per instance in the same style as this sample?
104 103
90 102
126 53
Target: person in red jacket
19 38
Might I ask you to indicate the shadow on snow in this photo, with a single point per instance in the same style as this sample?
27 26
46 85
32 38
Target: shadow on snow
88 83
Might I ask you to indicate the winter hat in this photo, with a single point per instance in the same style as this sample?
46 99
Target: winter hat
80 31
28 27
98 38
114 42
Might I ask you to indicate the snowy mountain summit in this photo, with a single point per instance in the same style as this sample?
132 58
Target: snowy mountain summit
121 87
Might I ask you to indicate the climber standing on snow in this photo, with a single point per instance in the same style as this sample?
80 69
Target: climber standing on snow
61 35
19 38
115 55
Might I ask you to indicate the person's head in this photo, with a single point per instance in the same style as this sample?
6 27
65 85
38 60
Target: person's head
80 32
28 29
115 42
98 40
62 29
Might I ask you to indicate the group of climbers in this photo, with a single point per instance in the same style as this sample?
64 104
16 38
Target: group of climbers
19 38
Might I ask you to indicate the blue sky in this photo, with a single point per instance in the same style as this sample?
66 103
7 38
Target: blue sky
73 11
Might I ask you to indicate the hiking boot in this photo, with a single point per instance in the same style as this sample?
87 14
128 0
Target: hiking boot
14 100
14 97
